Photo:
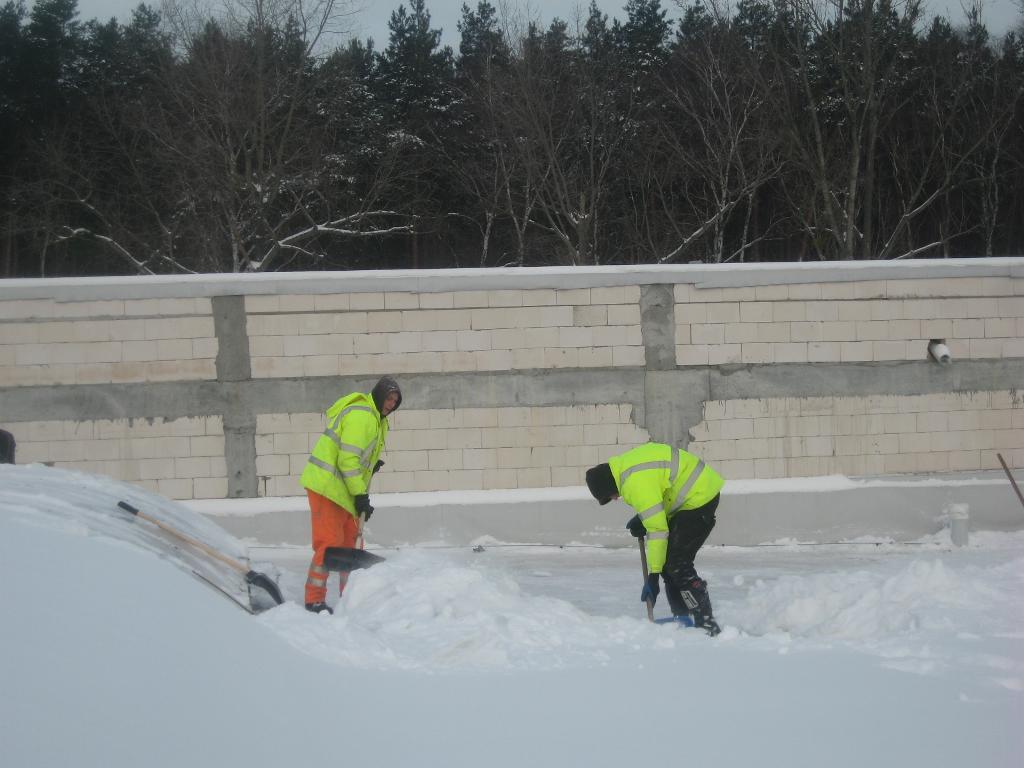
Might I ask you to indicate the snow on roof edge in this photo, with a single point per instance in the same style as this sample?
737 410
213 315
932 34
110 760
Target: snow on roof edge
826 483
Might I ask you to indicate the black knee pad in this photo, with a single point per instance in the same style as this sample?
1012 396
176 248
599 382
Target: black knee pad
695 594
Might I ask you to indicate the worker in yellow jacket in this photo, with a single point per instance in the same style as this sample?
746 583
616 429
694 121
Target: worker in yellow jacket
337 477
675 495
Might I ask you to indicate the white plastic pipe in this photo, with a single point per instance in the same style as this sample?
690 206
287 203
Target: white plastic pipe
939 351
959 523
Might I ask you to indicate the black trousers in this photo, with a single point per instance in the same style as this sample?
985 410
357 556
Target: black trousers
687 532
6 447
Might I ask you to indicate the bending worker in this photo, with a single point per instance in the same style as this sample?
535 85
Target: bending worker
337 477
675 495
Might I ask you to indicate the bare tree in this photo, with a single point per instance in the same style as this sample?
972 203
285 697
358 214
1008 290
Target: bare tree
239 128
718 139
569 124
947 149
842 63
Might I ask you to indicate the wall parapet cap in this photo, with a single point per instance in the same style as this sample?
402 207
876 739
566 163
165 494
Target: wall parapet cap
499 278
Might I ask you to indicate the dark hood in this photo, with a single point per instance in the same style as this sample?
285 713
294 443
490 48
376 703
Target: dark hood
382 389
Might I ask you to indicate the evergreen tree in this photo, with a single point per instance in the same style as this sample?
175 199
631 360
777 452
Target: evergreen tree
13 75
52 45
644 37
416 72
416 82
476 151
482 46
794 129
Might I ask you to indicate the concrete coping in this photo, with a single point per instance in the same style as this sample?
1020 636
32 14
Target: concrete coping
800 485
500 278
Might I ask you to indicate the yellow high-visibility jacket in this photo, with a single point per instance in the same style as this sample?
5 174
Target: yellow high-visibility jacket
343 459
660 481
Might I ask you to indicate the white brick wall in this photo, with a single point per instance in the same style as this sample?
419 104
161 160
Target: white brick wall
48 342
182 458
461 449
98 342
849 322
793 437
438 332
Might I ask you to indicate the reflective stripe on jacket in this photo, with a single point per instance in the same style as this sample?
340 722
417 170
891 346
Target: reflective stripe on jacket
659 481
342 461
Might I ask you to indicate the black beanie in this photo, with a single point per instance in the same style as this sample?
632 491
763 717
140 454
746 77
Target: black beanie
601 483
382 389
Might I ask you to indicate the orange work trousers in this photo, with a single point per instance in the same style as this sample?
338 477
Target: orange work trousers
333 526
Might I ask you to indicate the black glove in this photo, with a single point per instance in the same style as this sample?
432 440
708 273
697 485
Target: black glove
651 589
377 466
636 526
363 506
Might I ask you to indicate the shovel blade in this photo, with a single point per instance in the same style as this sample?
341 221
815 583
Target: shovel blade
349 559
265 583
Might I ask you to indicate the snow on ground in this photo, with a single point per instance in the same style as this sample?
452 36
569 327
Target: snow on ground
113 655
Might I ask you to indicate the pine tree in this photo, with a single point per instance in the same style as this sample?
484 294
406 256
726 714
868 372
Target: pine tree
416 72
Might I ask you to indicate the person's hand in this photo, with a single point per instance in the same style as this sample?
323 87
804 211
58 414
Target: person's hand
636 526
363 506
377 466
651 589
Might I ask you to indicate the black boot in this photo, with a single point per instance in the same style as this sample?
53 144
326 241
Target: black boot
710 626
318 608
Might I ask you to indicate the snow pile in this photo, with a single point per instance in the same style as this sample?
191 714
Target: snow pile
860 605
419 611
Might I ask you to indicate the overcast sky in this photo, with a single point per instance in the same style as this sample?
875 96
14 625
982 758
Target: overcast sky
372 20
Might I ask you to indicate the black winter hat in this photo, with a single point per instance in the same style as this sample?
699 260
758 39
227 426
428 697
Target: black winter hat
382 389
601 483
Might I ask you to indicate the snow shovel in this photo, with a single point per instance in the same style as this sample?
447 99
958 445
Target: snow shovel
347 559
643 564
685 620
256 578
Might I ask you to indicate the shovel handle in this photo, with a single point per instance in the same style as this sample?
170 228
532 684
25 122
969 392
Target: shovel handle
251 577
187 539
643 564
1013 482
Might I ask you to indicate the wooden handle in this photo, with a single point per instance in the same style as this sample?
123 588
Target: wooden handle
187 539
1013 482
643 564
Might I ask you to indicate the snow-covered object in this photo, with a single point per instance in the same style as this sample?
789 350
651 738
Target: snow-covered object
88 504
